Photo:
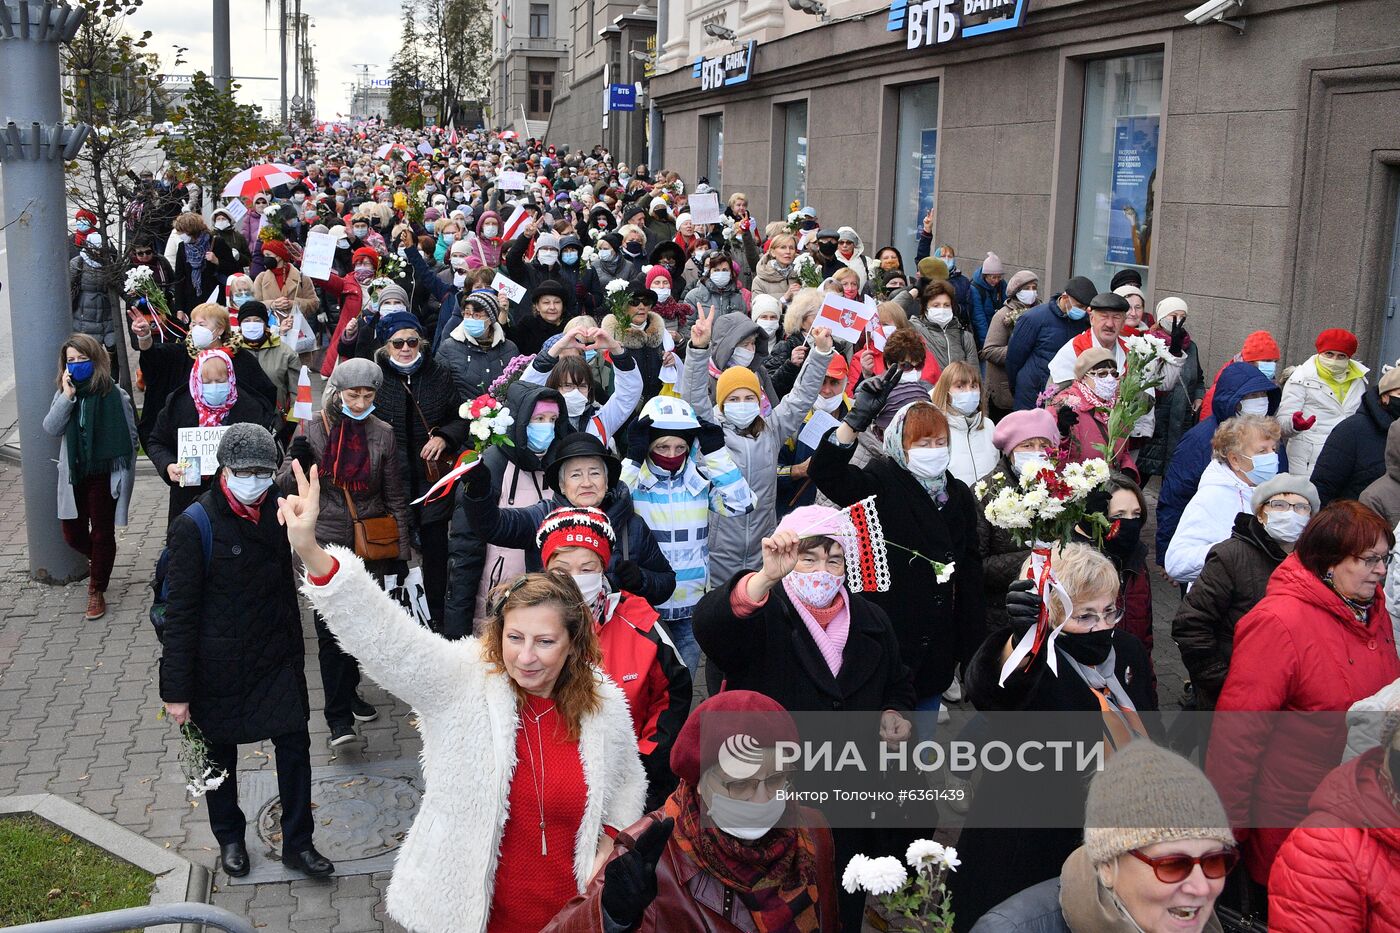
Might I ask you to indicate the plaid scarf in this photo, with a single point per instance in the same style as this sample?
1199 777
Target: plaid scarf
346 460
775 877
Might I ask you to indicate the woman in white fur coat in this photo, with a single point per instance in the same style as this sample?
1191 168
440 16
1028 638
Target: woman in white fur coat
529 757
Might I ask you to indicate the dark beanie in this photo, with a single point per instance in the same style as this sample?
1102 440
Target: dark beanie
1125 277
253 308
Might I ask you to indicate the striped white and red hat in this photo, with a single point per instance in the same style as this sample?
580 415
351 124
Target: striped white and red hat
575 527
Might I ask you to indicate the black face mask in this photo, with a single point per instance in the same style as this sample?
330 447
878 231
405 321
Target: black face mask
827 249
632 249
1393 406
1091 648
1122 546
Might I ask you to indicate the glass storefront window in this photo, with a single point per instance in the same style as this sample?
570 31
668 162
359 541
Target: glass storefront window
712 148
1117 166
794 154
914 172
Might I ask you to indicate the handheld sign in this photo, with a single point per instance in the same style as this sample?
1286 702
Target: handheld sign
704 209
511 181
200 445
317 256
512 290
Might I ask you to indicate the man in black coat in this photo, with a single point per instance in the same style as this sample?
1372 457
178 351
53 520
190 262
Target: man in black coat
1354 455
232 660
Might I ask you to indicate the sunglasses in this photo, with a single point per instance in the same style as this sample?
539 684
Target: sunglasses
1173 869
398 343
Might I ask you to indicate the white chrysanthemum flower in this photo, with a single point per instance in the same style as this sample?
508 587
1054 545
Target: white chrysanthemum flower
883 875
272 210
944 572
921 851
481 429
950 859
855 869
615 286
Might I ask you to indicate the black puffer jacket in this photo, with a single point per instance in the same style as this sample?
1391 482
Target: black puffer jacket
418 406
474 366
233 641
1234 578
1354 455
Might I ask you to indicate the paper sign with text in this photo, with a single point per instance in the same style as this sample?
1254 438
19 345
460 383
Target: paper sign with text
201 444
511 289
317 256
511 181
704 209
235 210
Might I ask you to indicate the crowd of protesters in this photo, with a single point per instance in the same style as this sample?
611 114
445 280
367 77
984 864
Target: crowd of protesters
665 507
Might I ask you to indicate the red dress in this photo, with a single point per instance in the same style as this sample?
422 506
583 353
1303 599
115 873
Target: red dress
532 887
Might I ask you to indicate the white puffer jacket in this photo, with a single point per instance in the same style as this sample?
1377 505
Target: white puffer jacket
1306 392
445 873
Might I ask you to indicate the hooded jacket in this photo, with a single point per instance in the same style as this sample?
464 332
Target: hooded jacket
1306 392
984 300
725 300
1300 649
1039 335
1340 869
531 274
951 343
1356 453
1193 454
1384 494
1234 578
483 253
728 332
517 480
1207 520
859 263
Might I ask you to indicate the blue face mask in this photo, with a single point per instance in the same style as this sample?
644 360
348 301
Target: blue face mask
1267 367
539 435
590 355
449 238
215 393
570 258
474 326
80 371
345 410
1265 468
241 300
1076 313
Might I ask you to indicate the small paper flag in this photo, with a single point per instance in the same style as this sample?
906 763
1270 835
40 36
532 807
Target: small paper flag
302 409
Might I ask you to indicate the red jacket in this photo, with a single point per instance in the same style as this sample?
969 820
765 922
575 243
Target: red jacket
1334 875
639 657
1299 650
347 290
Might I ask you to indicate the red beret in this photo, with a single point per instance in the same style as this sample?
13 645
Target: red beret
732 714
366 253
85 214
278 248
1335 338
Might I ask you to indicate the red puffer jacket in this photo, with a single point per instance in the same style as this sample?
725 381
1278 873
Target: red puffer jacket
1300 650
1332 874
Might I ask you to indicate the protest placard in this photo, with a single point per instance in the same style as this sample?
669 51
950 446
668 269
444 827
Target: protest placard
202 445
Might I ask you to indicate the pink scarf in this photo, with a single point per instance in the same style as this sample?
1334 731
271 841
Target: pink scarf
212 417
831 638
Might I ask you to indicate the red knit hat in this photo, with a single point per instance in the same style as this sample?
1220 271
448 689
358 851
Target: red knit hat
1260 345
575 527
278 248
367 253
729 728
1335 338
85 214
658 272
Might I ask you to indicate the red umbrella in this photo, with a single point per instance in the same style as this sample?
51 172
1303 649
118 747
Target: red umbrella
509 134
263 177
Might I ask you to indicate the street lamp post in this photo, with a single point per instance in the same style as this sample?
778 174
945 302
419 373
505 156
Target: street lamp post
34 144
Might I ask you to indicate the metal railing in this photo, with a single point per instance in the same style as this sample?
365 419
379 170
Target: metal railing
135 918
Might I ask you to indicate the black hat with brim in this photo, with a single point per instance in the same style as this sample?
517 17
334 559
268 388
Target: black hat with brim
579 444
548 288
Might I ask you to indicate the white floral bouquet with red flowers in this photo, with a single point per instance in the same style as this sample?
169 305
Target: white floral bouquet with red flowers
490 422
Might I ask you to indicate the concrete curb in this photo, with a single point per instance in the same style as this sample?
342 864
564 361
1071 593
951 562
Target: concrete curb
177 879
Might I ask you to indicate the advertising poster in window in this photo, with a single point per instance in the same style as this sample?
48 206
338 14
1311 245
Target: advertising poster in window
1130 202
928 149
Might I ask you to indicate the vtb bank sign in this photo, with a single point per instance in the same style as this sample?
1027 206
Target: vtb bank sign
935 22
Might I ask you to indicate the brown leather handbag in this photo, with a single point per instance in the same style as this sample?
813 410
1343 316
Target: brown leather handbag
375 538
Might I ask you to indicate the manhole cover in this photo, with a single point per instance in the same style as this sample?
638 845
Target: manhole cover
356 817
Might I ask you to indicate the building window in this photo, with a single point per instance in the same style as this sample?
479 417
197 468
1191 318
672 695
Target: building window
712 148
794 154
914 170
1117 165
539 21
541 94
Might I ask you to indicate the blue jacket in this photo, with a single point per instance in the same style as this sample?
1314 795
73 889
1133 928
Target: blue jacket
1193 453
446 295
1039 335
984 301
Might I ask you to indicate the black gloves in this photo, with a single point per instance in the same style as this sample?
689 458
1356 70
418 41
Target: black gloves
1022 605
301 452
710 436
1178 337
871 396
628 574
639 439
629 881
1065 419
478 482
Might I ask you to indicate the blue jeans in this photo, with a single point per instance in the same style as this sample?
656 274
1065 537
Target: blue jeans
927 710
686 645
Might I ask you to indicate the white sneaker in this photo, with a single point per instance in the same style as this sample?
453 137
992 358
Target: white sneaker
954 693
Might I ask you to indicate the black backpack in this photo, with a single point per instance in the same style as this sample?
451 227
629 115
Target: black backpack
161 583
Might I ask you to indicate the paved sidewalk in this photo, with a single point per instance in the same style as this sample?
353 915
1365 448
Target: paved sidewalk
78 704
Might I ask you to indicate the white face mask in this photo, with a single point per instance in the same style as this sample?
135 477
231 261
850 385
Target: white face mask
459 262
1285 527
928 462
590 585
1023 460
221 225
184 237
740 414
745 819
911 375
663 294
575 401
548 257
1027 296
769 327
1254 406
940 317
247 489
742 356
827 405
201 336
1105 386
720 277
490 230
252 330
965 403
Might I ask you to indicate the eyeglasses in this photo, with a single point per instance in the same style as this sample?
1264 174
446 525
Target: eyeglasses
1103 372
253 474
774 783
566 386
1283 505
1093 621
398 343
1172 869
1374 561
807 563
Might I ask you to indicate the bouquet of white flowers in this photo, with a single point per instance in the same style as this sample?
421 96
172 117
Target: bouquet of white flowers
141 281
619 302
1142 373
200 773
910 903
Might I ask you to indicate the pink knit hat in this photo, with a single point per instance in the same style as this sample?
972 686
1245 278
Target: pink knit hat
545 407
658 272
992 265
1021 426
